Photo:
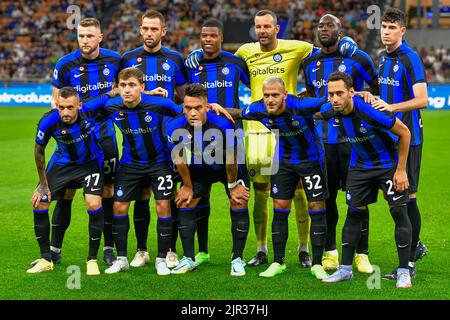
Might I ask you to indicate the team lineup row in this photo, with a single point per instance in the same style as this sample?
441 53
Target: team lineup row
351 145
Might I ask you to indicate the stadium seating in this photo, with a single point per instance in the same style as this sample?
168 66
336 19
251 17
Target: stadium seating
34 33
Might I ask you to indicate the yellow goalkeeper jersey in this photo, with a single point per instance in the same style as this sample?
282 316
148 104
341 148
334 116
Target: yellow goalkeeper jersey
283 62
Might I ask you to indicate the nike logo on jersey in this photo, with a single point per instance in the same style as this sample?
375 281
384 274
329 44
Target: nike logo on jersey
197 73
119 119
314 70
136 65
78 75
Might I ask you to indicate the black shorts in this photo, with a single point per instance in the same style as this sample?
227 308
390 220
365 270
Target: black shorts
108 145
314 180
337 158
363 185
132 179
413 167
203 179
87 176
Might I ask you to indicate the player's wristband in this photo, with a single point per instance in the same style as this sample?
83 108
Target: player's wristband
232 185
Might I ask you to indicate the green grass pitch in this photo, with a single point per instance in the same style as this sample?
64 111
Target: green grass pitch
18 246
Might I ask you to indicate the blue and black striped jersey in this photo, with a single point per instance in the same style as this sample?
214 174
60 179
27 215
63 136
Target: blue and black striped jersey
221 76
367 129
163 69
318 67
200 144
75 143
143 140
398 72
91 78
297 140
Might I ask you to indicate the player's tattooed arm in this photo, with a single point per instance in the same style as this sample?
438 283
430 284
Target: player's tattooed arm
42 191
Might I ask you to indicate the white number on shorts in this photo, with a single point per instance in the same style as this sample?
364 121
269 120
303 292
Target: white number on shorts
107 165
163 181
390 184
310 184
95 176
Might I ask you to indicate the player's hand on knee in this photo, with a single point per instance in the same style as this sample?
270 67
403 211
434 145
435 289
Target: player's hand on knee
43 194
184 196
240 194
401 182
193 59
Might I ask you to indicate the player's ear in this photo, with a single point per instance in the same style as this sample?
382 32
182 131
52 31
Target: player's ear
101 37
277 29
80 105
351 92
403 30
163 31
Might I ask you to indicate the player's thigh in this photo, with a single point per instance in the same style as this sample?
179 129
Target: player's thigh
110 158
162 181
413 165
332 162
91 178
259 157
386 183
128 183
314 178
345 151
361 188
284 183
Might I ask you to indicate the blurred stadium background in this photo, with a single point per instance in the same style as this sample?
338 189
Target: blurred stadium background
34 34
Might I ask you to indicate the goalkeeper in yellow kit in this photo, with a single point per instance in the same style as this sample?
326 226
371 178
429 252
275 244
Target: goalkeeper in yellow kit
281 58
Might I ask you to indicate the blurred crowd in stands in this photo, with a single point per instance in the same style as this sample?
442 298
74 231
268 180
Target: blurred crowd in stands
35 33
